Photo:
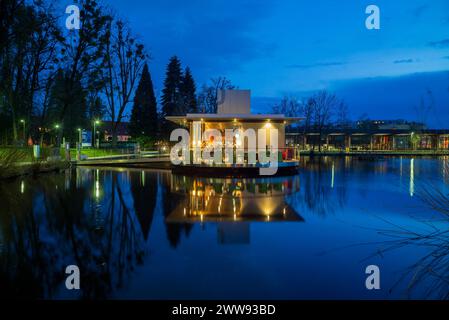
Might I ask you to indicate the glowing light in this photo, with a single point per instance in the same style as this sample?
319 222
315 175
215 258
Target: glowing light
97 189
412 177
22 187
333 175
268 125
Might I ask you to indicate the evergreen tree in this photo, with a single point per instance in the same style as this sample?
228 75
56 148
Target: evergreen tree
172 102
75 115
189 92
144 117
171 94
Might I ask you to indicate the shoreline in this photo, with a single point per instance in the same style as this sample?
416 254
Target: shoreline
164 163
33 169
423 153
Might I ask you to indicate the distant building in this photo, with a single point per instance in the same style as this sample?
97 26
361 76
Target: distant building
399 124
383 135
122 131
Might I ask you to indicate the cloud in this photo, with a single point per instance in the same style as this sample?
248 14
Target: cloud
404 61
315 65
213 33
391 97
439 44
213 38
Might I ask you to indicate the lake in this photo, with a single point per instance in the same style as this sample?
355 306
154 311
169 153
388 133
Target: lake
148 234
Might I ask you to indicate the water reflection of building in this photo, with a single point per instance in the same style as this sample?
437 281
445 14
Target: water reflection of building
232 203
233 233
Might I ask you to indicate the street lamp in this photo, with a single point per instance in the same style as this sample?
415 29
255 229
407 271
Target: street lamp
22 121
80 136
96 123
57 126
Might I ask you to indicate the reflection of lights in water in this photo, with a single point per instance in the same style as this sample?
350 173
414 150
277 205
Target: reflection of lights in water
97 189
333 174
142 178
347 162
400 167
412 177
239 200
22 187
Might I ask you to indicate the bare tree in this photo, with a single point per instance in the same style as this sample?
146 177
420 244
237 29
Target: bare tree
83 54
27 56
342 118
207 98
324 105
307 113
425 106
124 61
288 106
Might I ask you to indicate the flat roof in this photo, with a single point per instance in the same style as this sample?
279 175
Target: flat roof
372 132
249 117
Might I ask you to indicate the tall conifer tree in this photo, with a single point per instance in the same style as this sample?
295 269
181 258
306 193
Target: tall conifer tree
144 118
171 94
189 92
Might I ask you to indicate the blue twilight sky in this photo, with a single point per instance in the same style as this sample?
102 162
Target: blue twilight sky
294 47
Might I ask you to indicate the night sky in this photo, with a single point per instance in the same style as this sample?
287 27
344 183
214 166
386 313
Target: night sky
294 47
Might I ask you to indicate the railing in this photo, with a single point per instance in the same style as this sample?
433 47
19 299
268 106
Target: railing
246 156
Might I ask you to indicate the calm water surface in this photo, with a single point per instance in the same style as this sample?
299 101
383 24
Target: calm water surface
139 234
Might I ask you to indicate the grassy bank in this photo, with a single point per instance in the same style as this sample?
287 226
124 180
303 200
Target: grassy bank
16 162
25 154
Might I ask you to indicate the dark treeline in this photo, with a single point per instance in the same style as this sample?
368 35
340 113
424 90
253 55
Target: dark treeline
55 80
320 111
